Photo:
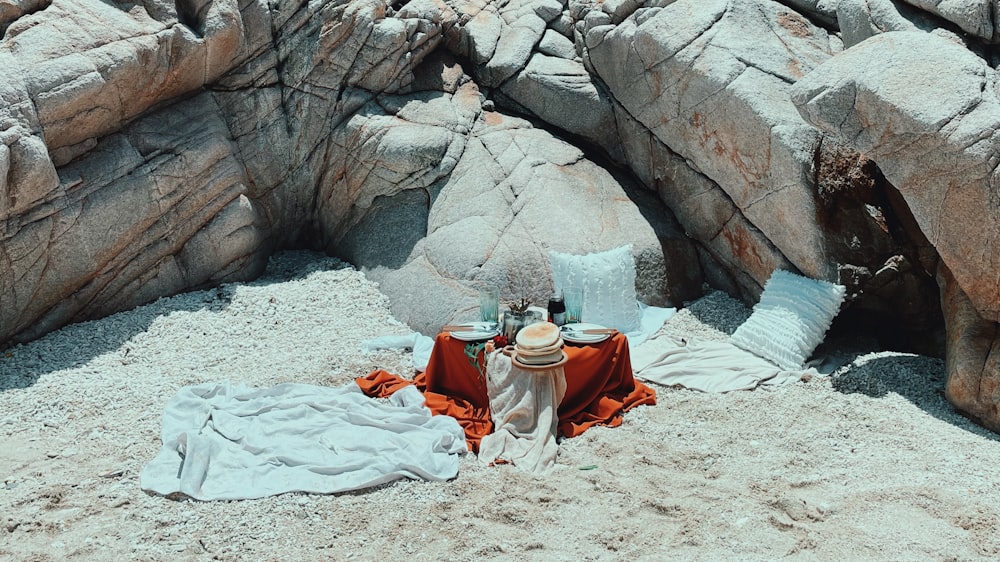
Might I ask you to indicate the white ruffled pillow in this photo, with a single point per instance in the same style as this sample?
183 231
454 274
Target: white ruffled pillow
608 282
790 320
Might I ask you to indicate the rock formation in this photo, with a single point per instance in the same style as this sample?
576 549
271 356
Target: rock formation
931 125
151 148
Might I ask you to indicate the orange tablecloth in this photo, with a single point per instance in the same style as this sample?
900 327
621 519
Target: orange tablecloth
599 387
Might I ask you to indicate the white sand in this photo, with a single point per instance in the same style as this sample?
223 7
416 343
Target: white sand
870 464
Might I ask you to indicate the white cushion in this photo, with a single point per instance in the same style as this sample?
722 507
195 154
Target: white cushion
608 283
790 320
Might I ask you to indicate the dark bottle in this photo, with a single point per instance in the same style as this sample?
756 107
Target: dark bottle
557 310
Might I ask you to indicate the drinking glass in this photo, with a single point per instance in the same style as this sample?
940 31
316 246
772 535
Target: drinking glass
573 298
489 304
532 317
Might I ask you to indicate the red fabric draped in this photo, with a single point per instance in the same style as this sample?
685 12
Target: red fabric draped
599 386
474 418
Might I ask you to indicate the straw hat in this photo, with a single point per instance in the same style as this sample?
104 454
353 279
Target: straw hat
539 344
537 336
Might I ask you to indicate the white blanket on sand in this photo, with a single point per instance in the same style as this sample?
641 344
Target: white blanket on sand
225 442
709 366
524 405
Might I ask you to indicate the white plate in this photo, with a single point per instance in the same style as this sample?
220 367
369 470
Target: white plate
568 335
477 331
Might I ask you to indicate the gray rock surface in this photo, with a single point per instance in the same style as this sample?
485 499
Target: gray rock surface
711 80
11 10
973 360
976 17
735 254
86 64
530 193
497 37
824 11
556 44
394 144
929 125
27 174
861 19
137 209
156 209
562 93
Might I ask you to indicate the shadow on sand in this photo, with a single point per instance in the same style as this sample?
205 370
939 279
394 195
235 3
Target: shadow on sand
75 345
856 369
909 377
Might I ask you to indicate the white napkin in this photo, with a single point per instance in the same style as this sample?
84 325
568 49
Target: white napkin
421 345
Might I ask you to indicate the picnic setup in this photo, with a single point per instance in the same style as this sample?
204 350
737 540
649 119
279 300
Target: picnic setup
508 387
589 383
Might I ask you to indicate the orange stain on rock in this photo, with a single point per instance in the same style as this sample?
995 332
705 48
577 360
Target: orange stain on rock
741 247
492 118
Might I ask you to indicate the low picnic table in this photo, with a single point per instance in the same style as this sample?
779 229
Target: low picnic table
599 385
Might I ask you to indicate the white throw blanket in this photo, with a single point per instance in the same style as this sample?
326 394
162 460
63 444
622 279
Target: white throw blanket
225 442
651 319
708 366
524 405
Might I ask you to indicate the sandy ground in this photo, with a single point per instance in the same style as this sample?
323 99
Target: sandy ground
871 463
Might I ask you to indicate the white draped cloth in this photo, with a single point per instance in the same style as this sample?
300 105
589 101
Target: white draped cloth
524 405
709 366
226 442
419 343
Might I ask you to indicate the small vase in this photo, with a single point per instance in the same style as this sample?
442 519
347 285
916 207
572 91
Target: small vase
514 321
512 324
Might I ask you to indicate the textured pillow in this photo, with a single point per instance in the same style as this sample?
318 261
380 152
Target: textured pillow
790 320
608 283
